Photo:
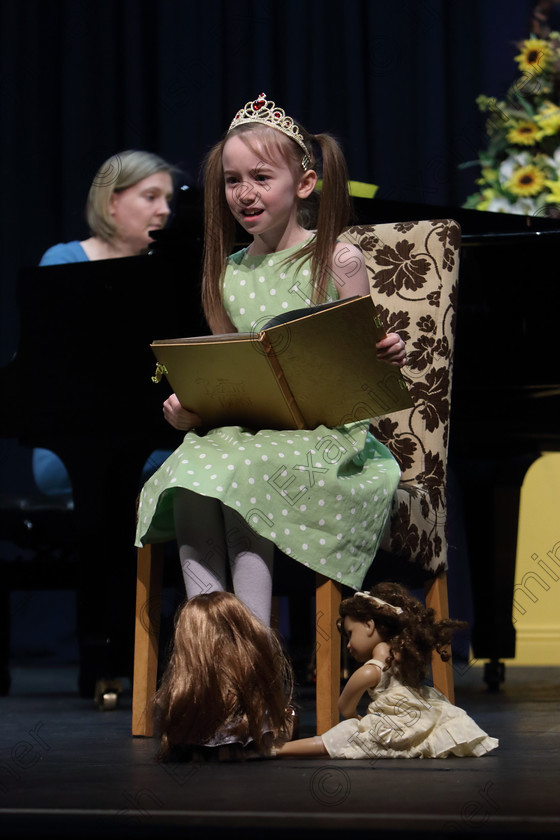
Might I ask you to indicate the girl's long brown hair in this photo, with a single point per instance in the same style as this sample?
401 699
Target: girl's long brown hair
226 669
332 216
412 635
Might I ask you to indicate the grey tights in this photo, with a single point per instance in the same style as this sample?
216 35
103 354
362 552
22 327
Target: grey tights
210 534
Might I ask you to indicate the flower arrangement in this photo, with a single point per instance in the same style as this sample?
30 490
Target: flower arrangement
520 169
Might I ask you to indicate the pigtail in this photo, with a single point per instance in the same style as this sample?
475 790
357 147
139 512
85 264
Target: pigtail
334 213
219 235
329 211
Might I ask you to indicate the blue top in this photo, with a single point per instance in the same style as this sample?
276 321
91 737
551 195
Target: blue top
64 252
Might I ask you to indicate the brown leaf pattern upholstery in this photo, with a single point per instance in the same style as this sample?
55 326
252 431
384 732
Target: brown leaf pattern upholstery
413 268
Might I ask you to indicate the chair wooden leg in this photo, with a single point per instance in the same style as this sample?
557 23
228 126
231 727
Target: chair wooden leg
146 638
442 672
327 651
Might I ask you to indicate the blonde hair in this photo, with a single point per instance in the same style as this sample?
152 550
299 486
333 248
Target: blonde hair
227 672
412 635
330 213
118 173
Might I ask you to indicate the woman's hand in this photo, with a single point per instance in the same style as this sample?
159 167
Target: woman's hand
178 417
392 349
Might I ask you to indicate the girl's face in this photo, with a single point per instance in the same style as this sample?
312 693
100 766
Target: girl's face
262 194
362 638
141 208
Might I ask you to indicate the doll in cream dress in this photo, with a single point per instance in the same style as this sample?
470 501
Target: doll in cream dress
393 635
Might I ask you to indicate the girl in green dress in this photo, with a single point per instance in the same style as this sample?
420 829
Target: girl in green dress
233 495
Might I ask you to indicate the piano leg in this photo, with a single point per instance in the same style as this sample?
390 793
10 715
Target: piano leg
105 487
491 491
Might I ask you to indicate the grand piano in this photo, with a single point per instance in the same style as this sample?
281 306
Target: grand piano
83 356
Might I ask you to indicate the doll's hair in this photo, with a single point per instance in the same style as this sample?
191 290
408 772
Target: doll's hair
330 212
226 671
412 635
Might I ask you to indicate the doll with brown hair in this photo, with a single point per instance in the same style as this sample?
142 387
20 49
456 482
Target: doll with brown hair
393 634
231 496
227 688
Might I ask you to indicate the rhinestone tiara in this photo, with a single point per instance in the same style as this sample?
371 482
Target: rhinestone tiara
264 111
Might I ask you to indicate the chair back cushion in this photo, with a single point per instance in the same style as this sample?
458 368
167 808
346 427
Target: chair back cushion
413 269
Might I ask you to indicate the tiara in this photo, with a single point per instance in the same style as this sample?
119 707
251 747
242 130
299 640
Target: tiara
265 112
380 603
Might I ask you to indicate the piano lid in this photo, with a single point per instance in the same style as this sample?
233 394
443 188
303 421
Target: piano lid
475 224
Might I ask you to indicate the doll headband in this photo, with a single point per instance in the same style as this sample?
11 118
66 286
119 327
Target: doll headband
380 603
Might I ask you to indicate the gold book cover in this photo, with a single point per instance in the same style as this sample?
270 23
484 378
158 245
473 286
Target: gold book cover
307 367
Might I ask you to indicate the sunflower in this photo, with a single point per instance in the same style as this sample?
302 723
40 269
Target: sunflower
524 133
526 180
548 119
534 56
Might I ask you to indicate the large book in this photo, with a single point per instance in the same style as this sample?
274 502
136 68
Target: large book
307 367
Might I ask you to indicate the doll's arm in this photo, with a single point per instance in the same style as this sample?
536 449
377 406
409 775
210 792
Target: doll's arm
365 677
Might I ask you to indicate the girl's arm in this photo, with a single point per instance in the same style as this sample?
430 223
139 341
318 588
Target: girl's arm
178 417
349 271
351 277
365 677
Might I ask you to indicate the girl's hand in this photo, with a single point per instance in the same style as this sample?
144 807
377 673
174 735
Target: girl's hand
392 349
178 417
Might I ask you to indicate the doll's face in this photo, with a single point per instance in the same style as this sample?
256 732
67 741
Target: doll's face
362 638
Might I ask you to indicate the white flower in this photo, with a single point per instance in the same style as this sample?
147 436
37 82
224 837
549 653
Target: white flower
499 205
522 207
525 206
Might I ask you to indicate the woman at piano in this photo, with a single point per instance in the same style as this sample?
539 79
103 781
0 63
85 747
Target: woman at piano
129 198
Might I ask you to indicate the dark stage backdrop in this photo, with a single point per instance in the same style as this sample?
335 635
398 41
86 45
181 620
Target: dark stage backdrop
395 81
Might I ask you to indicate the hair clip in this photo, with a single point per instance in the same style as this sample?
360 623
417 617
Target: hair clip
380 602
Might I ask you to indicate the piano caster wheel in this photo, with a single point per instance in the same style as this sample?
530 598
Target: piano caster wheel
494 674
107 694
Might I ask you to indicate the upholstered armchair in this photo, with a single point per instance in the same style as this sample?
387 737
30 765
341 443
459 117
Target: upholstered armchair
413 268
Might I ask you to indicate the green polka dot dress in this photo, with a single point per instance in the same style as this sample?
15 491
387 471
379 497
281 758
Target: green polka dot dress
322 496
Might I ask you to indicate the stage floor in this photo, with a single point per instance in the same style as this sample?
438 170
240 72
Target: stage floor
70 770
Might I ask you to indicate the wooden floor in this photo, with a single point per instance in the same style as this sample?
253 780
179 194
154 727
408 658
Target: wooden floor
67 769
